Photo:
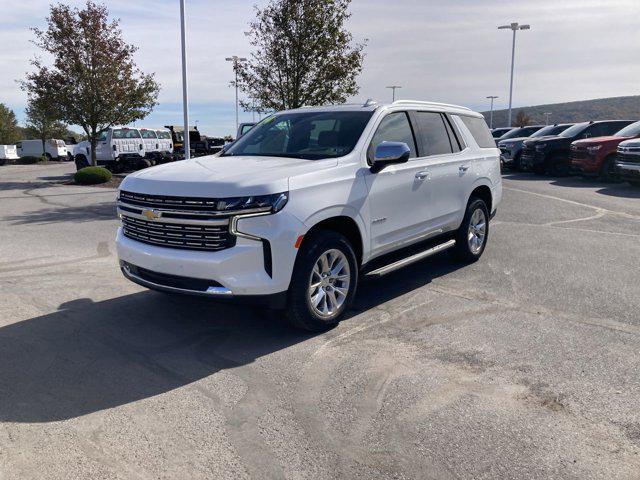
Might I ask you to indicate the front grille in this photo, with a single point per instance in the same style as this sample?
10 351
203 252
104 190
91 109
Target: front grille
180 203
189 237
185 223
628 157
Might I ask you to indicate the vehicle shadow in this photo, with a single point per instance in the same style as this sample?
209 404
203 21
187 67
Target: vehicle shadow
372 293
612 188
88 356
83 213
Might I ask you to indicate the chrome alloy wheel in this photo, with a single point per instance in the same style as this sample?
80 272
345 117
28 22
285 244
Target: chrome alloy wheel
329 283
477 231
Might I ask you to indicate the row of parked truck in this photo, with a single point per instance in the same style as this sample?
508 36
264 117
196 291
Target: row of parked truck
121 148
608 149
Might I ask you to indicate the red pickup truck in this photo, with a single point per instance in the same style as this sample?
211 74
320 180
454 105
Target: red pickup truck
596 157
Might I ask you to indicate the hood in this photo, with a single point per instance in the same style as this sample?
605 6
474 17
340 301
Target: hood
633 143
587 142
221 177
545 139
514 140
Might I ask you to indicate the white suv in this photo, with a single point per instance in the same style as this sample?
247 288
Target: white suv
309 201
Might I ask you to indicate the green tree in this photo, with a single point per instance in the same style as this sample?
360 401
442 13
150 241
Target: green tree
94 82
42 119
522 119
9 130
304 55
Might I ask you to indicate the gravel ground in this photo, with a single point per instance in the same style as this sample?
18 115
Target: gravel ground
521 366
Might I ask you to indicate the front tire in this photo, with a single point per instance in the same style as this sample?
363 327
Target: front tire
324 282
608 171
472 236
558 166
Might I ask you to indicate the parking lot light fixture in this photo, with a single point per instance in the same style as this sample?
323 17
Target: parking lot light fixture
514 26
546 117
185 96
394 88
492 97
236 62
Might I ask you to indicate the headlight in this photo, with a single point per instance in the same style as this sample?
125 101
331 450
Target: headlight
594 149
506 145
541 146
263 203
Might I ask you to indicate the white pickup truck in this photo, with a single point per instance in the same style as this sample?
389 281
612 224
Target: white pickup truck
309 201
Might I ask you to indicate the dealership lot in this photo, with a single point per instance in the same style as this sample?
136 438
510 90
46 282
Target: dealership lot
523 365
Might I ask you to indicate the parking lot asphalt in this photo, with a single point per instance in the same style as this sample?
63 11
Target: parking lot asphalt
521 366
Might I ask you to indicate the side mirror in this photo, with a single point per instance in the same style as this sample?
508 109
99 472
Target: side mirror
390 153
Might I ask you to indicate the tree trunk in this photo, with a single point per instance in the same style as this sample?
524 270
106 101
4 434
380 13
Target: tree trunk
94 142
44 149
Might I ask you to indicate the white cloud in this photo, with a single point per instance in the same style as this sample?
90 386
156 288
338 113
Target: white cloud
444 50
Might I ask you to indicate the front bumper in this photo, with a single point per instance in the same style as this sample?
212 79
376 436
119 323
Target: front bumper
238 270
628 171
585 165
532 158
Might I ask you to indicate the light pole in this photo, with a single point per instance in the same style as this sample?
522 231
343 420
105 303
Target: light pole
185 96
514 26
546 117
236 61
394 87
492 97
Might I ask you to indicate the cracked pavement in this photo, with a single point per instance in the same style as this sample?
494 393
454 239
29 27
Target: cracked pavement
522 366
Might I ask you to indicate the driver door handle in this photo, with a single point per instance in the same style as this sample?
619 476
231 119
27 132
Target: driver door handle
422 175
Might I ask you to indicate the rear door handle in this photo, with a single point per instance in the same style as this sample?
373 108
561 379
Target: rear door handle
464 168
422 175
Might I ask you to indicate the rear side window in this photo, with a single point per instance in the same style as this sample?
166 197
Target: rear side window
395 127
480 131
432 133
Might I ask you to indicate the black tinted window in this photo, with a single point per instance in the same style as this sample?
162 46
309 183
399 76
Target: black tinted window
434 139
454 134
395 127
480 131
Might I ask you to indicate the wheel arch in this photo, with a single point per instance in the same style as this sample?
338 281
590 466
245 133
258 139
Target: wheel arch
345 225
482 191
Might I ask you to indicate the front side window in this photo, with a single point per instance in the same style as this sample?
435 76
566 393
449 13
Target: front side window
434 138
577 129
395 127
310 135
479 131
164 135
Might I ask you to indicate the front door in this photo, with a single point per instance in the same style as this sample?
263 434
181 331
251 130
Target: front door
398 195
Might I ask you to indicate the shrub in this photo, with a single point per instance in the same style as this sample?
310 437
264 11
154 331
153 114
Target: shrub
92 175
30 160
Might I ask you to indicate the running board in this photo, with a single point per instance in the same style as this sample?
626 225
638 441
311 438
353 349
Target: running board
392 267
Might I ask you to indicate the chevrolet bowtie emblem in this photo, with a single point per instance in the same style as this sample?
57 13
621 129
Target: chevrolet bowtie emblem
151 214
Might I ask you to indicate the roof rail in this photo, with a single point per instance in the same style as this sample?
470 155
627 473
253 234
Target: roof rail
370 103
433 104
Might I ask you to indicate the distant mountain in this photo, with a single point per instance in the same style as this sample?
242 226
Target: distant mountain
623 108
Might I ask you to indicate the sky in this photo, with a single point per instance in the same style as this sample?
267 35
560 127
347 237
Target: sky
439 50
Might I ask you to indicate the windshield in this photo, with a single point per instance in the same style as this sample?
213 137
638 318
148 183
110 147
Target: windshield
632 130
126 133
163 135
148 133
310 135
519 132
498 132
550 130
573 131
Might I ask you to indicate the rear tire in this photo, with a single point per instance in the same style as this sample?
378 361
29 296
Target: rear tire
81 162
324 282
472 236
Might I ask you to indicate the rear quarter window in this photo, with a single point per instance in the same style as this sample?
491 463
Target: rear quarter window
480 131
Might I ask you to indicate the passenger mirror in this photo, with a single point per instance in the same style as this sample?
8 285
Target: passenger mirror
390 153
